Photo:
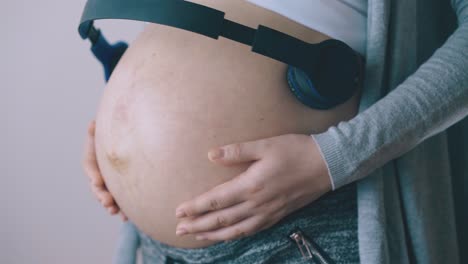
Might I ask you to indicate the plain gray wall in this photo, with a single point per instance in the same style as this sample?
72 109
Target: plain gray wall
51 85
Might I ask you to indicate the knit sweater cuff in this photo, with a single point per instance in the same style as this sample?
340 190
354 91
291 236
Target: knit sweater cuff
333 157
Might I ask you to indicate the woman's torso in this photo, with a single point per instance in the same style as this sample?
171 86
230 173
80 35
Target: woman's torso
174 95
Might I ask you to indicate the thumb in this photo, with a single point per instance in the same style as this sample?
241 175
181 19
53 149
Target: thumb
236 153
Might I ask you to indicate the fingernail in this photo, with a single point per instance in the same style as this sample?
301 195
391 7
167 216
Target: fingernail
216 154
180 213
181 231
200 237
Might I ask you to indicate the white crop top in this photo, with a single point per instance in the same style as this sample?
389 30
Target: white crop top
345 20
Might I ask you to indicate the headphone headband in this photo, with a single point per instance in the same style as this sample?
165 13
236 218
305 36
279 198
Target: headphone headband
177 13
202 20
334 57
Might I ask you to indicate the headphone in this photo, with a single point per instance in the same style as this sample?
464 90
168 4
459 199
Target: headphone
321 75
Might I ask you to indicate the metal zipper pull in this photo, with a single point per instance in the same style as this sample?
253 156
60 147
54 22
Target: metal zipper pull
308 249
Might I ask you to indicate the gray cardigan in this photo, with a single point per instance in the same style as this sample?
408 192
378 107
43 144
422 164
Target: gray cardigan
411 169
398 146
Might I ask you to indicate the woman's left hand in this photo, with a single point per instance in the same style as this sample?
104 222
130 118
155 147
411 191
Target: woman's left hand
287 173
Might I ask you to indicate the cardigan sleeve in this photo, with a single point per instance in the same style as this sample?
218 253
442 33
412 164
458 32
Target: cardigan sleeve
426 103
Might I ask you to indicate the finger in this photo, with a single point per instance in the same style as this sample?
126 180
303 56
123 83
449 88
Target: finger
92 128
108 200
112 210
98 189
221 196
123 216
87 153
241 229
238 152
104 197
90 163
215 220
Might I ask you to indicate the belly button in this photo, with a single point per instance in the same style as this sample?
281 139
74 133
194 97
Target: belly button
117 161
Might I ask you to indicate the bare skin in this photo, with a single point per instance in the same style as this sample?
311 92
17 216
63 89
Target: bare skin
176 95
96 181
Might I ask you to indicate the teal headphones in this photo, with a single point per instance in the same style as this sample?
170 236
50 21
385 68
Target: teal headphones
320 75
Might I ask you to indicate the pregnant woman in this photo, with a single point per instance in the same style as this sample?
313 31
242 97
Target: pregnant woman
176 95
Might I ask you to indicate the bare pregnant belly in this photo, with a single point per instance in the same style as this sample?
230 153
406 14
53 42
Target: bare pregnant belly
174 95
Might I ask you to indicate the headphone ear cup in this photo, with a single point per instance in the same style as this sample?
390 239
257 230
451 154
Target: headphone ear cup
108 55
304 89
329 79
336 71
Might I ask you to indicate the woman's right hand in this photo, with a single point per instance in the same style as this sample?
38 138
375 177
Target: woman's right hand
96 180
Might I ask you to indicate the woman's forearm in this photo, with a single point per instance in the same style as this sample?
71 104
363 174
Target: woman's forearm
428 102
